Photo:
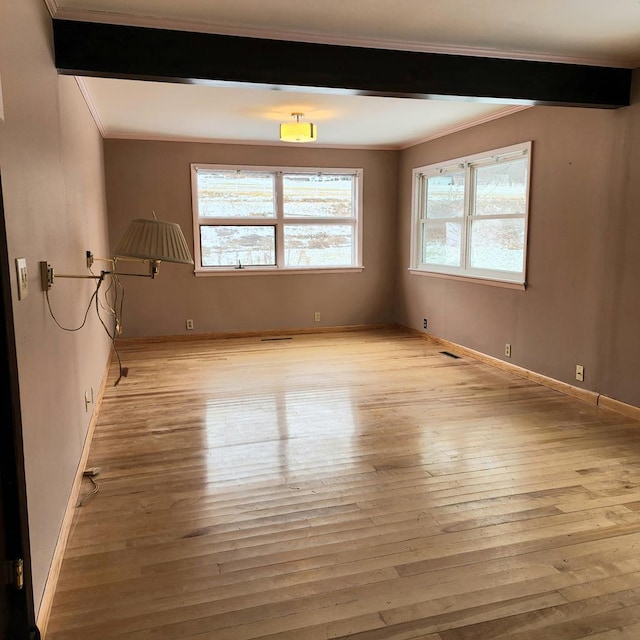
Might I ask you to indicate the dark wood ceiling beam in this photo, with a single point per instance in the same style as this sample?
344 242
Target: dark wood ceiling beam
117 51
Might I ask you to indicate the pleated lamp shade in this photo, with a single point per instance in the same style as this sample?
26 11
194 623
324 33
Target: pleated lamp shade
154 240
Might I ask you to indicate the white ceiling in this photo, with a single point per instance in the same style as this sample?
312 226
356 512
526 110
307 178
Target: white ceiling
155 110
603 32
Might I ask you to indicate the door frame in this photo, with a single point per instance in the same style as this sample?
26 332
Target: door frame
22 622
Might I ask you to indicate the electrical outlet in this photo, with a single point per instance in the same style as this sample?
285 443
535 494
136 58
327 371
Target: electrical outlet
21 275
579 373
507 350
87 401
316 316
424 324
189 324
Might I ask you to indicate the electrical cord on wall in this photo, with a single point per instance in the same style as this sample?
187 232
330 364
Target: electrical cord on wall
121 369
114 284
86 313
114 309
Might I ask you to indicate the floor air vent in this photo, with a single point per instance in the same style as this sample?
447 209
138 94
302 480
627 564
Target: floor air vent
273 339
450 355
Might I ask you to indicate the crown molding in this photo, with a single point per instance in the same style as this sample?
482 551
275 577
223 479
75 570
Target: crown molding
91 105
107 17
53 7
468 124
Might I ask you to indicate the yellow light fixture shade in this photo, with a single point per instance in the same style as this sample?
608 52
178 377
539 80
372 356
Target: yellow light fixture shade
154 240
298 131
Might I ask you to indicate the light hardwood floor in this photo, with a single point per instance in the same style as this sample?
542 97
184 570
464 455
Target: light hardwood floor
356 484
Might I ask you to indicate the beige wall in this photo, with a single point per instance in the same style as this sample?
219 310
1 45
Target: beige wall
155 176
620 334
581 305
52 173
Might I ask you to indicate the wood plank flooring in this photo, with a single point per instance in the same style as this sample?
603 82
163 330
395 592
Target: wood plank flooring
356 484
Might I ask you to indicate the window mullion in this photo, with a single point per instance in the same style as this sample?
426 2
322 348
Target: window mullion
324 221
238 222
280 220
356 249
420 218
469 188
504 216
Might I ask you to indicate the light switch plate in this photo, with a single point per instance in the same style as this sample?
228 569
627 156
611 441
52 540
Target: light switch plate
21 278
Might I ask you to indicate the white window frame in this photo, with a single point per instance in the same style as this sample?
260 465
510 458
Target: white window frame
467 164
278 221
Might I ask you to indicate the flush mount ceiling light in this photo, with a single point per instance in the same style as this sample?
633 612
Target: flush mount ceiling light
298 131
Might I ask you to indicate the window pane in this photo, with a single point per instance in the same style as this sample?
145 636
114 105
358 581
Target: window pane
318 245
229 246
441 243
236 194
317 195
497 245
445 195
501 189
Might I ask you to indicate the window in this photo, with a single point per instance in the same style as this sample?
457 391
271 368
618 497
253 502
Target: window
470 215
276 219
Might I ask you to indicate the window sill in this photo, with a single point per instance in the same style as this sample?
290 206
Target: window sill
473 279
272 271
